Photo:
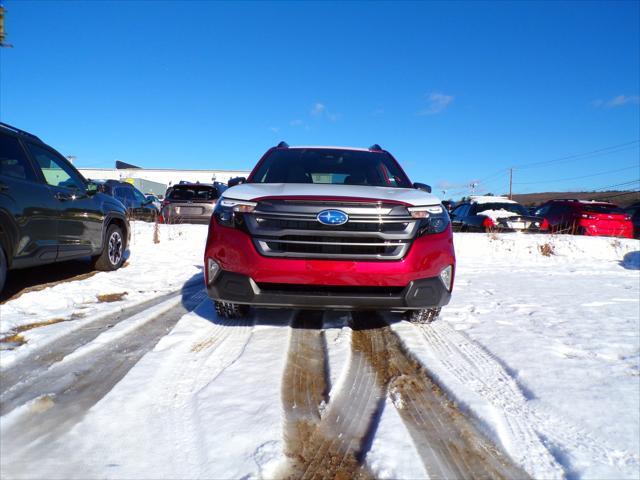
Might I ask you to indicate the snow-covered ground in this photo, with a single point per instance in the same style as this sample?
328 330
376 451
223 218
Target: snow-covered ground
150 270
540 344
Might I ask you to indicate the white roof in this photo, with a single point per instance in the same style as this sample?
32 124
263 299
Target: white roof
490 199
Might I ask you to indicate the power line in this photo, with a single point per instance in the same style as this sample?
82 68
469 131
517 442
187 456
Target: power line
580 156
577 178
621 147
618 185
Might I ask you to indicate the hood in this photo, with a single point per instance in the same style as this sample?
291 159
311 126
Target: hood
253 191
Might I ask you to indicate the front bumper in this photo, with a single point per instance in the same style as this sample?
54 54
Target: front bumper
418 294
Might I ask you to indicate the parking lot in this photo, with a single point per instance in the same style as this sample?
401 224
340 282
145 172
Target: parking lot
335 393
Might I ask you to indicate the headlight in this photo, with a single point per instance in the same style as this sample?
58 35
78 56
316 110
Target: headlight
433 218
227 208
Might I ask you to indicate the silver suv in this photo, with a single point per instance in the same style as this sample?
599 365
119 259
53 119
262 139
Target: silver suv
189 203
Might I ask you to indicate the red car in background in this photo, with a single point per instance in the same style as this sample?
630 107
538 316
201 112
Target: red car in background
586 218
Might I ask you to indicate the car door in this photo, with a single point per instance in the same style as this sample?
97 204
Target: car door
28 218
554 216
457 216
144 209
80 216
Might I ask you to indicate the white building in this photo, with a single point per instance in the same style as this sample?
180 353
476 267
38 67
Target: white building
165 176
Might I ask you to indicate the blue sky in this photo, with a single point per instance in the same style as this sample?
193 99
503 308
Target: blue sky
458 92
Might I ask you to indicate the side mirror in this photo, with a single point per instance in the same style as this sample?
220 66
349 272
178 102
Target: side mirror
92 188
236 181
422 186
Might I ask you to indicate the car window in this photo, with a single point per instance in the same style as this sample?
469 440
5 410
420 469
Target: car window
330 166
542 211
193 193
559 209
56 172
13 160
138 196
601 208
461 211
122 194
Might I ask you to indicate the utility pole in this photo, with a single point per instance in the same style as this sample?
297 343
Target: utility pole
2 31
510 182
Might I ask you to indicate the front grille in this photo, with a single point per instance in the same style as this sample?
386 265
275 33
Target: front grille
375 231
282 224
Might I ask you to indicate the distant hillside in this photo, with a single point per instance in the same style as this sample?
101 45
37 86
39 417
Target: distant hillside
620 198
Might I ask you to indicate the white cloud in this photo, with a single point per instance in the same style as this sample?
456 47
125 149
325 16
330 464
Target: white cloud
320 110
296 123
617 101
274 129
437 102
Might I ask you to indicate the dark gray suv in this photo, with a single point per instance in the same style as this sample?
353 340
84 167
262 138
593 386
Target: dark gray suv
49 212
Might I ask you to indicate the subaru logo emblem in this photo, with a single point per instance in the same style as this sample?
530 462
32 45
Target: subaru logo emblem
332 217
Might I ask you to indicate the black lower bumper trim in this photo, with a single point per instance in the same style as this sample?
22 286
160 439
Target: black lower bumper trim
236 288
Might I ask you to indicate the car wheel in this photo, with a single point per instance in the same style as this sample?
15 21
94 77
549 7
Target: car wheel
112 255
3 269
231 310
426 315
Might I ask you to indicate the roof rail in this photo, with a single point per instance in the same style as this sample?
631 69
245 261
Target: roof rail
375 148
283 145
21 132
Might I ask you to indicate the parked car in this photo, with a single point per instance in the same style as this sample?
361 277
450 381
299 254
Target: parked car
236 181
326 227
189 203
155 201
49 212
586 218
634 212
138 206
483 214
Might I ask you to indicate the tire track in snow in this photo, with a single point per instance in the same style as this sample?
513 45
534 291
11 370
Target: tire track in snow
326 444
479 371
50 404
448 442
211 352
41 359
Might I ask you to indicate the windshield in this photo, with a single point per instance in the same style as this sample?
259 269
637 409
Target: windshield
330 166
193 193
509 207
601 208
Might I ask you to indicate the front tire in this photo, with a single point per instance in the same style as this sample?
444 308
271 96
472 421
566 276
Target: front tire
112 256
426 315
231 310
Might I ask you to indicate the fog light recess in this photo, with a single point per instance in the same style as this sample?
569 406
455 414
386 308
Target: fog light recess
446 277
212 270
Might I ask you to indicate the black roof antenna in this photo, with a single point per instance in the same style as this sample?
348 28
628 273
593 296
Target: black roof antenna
283 145
375 148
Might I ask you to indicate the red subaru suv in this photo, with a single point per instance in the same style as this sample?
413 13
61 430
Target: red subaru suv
329 227
586 218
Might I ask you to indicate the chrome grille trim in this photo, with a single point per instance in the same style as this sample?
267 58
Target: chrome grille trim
289 229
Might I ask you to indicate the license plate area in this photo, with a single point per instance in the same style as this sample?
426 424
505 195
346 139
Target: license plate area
189 210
